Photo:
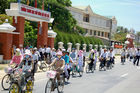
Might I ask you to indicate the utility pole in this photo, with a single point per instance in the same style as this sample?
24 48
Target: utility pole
110 33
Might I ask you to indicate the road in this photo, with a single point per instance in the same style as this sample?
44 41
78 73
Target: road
121 79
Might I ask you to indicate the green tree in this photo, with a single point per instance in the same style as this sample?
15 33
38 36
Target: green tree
30 35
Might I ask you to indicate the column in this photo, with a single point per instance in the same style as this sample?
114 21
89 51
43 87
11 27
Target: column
85 46
77 46
42 34
60 45
69 47
6 46
18 39
90 46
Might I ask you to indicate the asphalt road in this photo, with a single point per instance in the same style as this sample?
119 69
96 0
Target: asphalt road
121 79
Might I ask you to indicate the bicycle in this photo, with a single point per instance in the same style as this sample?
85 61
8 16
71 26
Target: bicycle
16 83
42 66
6 80
102 64
76 70
52 83
89 68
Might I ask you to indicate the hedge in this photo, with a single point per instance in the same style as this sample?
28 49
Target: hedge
75 38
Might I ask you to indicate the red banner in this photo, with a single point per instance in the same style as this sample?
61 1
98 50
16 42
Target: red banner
118 46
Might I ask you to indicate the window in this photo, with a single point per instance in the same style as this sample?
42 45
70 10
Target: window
102 33
95 33
86 17
98 33
86 30
90 32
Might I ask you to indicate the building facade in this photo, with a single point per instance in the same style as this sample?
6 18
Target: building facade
94 24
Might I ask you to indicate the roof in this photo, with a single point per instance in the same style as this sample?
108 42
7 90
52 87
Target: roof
80 7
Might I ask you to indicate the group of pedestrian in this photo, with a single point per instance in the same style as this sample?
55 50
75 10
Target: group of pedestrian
131 54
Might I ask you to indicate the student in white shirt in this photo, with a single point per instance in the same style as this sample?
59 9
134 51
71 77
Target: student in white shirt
136 61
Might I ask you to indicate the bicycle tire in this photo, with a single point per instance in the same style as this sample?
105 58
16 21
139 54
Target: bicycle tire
49 81
14 85
2 82
62 85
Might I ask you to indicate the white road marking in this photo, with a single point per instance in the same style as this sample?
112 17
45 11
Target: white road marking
124 75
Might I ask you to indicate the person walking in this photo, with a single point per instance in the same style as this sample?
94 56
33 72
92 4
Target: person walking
136 61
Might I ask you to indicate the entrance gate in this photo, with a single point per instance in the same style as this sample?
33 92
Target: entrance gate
20 12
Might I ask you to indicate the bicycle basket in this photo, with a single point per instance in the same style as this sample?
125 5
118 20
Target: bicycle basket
51 74
8 70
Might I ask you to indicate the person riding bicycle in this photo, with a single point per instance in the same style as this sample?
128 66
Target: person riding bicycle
58 65
103 58
27 67
73 57
17 58
91 58
111 57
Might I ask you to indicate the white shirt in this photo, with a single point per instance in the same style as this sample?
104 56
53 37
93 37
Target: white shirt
40 49
110 54
84 53
48 50
35 57
53 53
123 54
138 53
104 55
43 50
38 54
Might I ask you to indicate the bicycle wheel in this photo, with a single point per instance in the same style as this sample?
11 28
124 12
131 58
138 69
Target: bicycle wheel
60 85
43 67
5 83
29 87
74 71
48 88
87 68
14 88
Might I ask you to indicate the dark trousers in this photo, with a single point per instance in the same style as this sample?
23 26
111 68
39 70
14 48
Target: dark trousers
41 54
136 61
46 55
103 62
91 64
84 61
34 68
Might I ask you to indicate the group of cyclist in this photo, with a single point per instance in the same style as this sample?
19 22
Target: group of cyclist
63 61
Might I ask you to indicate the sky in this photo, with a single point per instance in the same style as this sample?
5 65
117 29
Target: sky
127 12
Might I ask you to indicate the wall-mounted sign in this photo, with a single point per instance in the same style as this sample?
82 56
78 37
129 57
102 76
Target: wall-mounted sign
118 46
34 12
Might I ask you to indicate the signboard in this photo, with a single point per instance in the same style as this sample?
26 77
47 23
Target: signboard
34 12
118 46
